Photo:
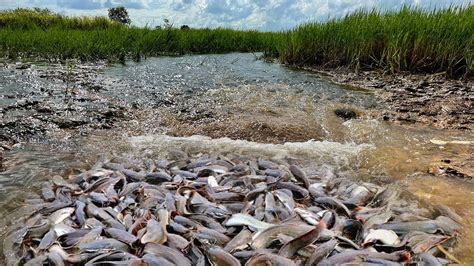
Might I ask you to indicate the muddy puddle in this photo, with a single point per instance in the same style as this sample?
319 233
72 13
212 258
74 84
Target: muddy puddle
227 104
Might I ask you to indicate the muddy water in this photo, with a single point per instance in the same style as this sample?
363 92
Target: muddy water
236 104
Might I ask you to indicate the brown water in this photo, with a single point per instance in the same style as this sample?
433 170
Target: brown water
239 105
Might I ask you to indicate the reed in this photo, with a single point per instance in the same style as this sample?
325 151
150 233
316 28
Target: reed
41 33
410 39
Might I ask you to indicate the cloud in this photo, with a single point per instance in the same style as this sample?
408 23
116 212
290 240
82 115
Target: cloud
242 14
80 4
98 4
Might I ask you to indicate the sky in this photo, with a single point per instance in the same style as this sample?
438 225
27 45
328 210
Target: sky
268 15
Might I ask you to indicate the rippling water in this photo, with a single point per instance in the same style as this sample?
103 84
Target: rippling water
247 107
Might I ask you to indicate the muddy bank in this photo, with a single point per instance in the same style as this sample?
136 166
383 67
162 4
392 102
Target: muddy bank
429 99
44 101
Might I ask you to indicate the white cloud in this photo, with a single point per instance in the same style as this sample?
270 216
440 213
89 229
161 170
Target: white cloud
242 14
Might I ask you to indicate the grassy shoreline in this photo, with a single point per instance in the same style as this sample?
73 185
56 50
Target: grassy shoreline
40 33
406 40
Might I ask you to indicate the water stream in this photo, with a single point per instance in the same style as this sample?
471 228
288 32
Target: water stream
236 104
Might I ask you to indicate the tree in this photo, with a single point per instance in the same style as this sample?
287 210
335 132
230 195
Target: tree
119 14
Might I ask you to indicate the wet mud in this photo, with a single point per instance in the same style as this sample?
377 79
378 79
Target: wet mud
427 99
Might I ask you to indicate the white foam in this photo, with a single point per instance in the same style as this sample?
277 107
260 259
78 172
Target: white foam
335 154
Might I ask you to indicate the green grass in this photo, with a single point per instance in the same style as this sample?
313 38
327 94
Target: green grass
34 19
406 40
33 33
118 43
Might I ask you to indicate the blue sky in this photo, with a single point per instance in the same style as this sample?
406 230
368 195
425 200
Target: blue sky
240 14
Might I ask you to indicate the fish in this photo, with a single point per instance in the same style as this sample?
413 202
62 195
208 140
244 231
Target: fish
94 211
265 237
113 258
386 237
240 219
153 260
55 258
263 258
39 260
428 259
121 235
60 215
157 177
300 193
99 198
441 223
208 222
47 191
241 241
62 229
177 241
167 253
216 237
307 238
155 233
104 244
376 219
321 252
309 217
80 213
47 240
133 176
101 184
285 199
71 239
219 256
300 175
349 255
334 204
265 164
70 258
40 227
221 210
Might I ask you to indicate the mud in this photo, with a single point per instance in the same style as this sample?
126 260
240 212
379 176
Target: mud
273 115
44 101
427 99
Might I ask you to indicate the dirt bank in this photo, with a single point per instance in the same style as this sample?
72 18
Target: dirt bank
39 102
429 99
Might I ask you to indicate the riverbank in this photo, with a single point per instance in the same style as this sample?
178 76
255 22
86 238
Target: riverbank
428 99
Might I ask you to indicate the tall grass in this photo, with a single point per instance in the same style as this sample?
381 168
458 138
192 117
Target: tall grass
29 33
407 40
117 43
34 19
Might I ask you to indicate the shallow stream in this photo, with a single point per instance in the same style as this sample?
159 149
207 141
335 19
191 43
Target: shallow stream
236 104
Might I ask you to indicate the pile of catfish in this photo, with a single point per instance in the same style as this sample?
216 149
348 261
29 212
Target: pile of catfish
227 210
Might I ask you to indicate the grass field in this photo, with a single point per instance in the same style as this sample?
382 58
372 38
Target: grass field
406 40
